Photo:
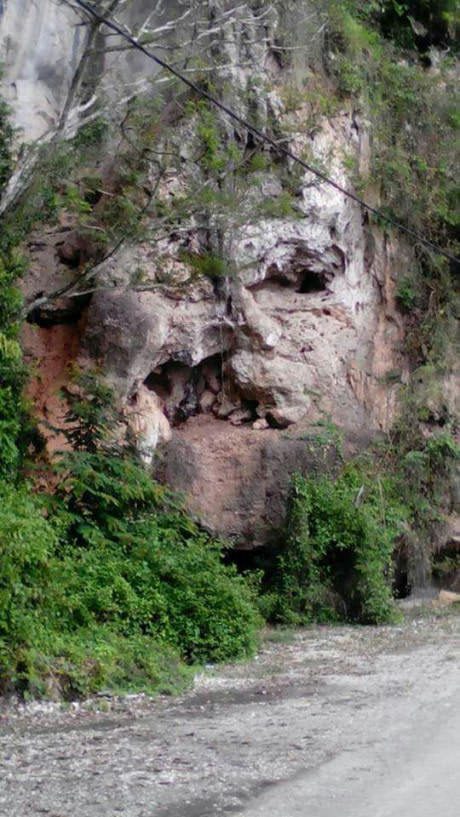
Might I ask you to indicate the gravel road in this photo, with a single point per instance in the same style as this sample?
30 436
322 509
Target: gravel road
330 722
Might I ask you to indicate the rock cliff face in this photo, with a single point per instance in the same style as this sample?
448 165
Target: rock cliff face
44 46
307 325
301 328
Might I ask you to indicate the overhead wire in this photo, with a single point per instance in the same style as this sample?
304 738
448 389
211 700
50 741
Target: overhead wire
260 134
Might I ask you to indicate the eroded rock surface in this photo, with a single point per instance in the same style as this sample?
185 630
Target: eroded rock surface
236 479
308 325
299 323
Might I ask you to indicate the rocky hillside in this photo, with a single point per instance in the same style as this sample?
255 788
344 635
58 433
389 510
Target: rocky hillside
269 301
252 321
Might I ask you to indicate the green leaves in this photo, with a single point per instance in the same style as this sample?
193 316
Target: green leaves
6 140
115 555
12 370
124 561
143 565
414 146
27 542
335 562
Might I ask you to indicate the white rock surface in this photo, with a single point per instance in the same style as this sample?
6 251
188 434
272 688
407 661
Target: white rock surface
40 47
313 331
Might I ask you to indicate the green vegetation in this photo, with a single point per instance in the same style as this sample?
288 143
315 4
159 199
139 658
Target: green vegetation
207 264
107 581
413 117
415 23
335 562
423 452
67 178
6 138
52 188
413 121
216 156
13 416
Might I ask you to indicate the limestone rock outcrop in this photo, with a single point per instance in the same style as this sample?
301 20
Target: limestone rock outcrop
308 325
232 364
236 479
147 422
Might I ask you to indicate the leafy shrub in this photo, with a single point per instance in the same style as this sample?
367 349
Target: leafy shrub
6 138
420 23
27 543
130 582
406 293
12 370
410 112
44 647
208 264
91 134
335 563
139 562
108 581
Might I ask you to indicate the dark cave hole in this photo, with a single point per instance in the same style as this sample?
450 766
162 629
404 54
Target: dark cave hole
446 567
304 282
273 422
70 257
337 569
311 282
251 142
252 558
273 280
401 586
93 196
281 281
179 387
49 314
229 306
159 382
186 391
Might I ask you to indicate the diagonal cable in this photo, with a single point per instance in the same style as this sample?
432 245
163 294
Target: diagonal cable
260 135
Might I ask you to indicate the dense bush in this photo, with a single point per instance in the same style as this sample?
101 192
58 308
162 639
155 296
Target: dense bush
43 650
413 121
412 24
335 563
116 580
140 562
12 371
112 561
418 23
6 138
27 543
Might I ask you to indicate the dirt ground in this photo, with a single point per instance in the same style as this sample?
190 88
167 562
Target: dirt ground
326 722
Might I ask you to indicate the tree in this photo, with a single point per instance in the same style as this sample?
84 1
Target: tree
212 41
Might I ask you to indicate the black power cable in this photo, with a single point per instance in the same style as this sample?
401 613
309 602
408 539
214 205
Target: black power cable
260 135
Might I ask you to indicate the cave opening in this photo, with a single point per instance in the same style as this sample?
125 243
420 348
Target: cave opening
273 281
159 382
186 391
72 258
65 311
311 281
249 559
304 281
401 585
